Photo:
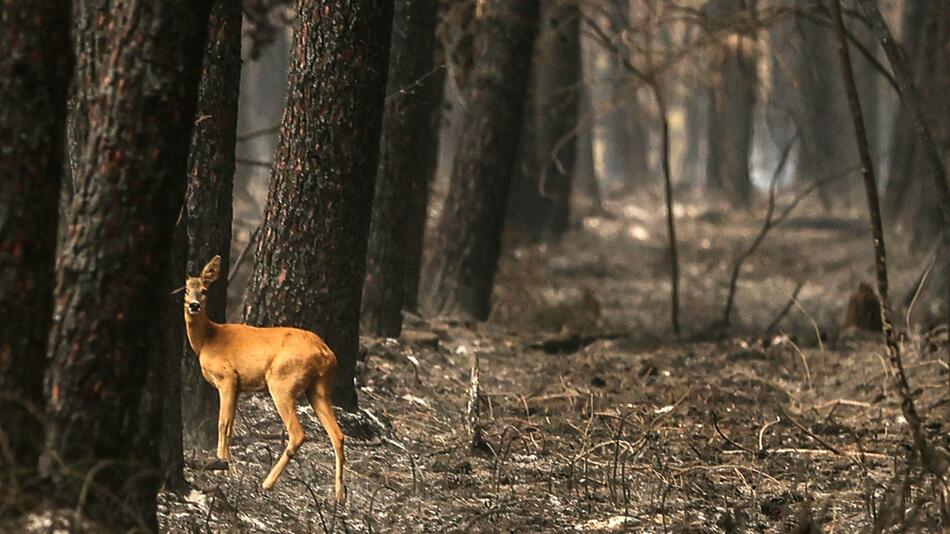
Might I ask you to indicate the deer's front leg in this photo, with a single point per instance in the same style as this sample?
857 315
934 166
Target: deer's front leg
227 391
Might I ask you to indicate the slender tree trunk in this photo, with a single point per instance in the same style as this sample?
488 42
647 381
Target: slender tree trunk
208 200
731 111
34 66
311 256
469 243
541 186
406 163
110 280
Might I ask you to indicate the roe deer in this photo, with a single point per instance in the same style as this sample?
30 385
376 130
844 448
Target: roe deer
289 362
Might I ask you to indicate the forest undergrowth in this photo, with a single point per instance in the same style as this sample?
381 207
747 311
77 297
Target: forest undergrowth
597 419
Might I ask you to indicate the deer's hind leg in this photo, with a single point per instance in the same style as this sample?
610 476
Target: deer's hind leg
319 396
285 398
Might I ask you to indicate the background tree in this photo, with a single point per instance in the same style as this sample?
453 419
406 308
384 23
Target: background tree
35 68
405 167
541 186
208 199
311 255
110 278
619 142
910 196
731 103
468 245
820 109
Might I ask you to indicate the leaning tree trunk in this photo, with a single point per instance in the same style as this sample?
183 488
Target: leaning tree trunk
311 255
541 186
208 200
110 280
406 163
469 243
34 66
731 110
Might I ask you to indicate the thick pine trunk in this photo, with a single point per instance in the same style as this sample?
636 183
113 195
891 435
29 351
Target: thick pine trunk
469 241
311 255
731 110
539 206
34 66
208 200
111 277
405 167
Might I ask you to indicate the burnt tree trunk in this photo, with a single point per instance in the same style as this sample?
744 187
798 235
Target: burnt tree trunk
418 210
34 66
208 200
731 109
911 196
469 242
89 18
311 255
820 110
539 206
166 371
405 167
110 280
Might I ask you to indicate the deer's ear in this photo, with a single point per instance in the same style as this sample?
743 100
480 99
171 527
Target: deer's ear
211 271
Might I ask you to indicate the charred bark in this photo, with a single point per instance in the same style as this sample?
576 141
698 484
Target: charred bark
111 275
731 109
208 200
405 168
35 67
469 243
541 186
311 255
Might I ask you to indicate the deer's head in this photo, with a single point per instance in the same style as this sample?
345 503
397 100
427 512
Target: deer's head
196 287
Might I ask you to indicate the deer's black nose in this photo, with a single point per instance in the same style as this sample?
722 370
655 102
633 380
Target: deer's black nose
194 306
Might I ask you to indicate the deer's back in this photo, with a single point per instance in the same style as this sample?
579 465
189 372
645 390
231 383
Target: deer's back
256 355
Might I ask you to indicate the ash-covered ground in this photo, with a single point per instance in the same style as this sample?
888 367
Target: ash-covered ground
598 419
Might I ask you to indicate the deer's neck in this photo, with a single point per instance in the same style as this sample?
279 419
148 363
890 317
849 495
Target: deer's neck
200 328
